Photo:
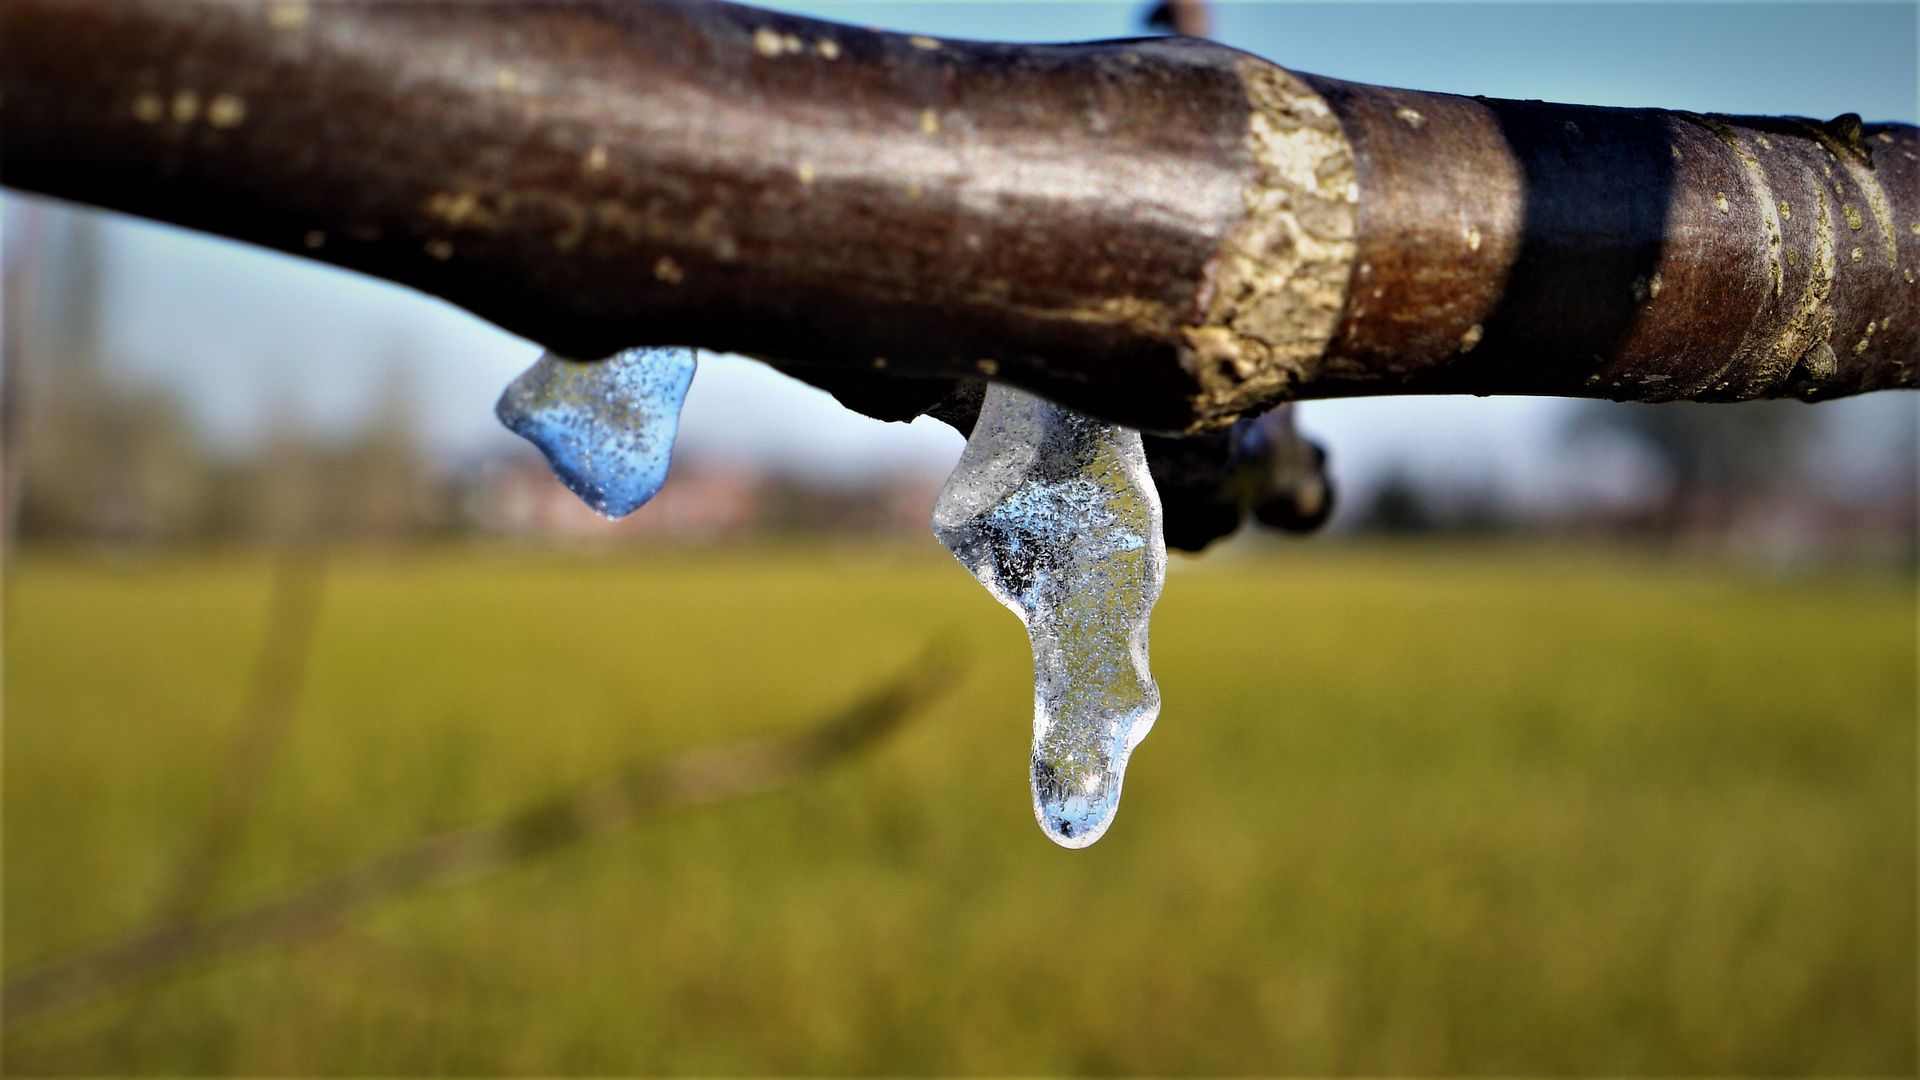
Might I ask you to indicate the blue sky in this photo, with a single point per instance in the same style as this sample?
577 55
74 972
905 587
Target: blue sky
245 335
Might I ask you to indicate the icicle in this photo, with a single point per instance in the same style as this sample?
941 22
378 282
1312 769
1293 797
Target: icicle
607 428
1057 516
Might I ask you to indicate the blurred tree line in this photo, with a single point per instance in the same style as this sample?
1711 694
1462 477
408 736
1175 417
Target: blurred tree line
1717 459
94 455
1760 475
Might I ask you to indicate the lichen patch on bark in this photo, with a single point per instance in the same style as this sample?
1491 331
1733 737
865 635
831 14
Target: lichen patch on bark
1876 197
1811 323
1275 289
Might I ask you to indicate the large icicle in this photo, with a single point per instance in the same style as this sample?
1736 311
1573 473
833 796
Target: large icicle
1057 516
607 428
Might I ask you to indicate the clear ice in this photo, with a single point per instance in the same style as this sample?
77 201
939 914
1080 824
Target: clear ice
1057 516
607 428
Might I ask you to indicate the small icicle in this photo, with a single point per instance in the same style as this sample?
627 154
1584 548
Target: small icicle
1057 516
607 428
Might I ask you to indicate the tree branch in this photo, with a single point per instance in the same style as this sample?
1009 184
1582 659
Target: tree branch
286 648
1166 232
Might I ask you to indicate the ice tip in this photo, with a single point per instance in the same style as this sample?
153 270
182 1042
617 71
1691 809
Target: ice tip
1075 816
601 498
1069 833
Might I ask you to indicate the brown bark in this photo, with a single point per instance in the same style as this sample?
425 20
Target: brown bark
1166 233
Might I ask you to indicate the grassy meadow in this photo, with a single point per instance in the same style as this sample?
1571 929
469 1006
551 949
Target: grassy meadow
1407 810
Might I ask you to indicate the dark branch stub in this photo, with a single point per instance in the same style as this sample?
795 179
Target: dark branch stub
1185 17
1210 482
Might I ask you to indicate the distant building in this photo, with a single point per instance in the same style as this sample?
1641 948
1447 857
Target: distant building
520 497
700 502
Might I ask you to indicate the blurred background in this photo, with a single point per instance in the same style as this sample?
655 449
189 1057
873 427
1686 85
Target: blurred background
1582 740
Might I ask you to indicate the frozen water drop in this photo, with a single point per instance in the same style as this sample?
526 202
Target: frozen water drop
607 428
1057 516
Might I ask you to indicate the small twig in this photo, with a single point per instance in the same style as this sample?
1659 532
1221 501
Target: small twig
701 776
293 612
17 300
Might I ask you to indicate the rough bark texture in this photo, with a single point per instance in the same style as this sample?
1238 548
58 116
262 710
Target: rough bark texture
1640 255
1166 232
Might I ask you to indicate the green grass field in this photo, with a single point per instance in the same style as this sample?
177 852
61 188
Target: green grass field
1406 811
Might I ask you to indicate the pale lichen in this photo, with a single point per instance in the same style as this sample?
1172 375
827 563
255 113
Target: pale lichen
1778 344
1275 289
226 110
288 16
1810 324
1858 162
148 107
462 209
1866 340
